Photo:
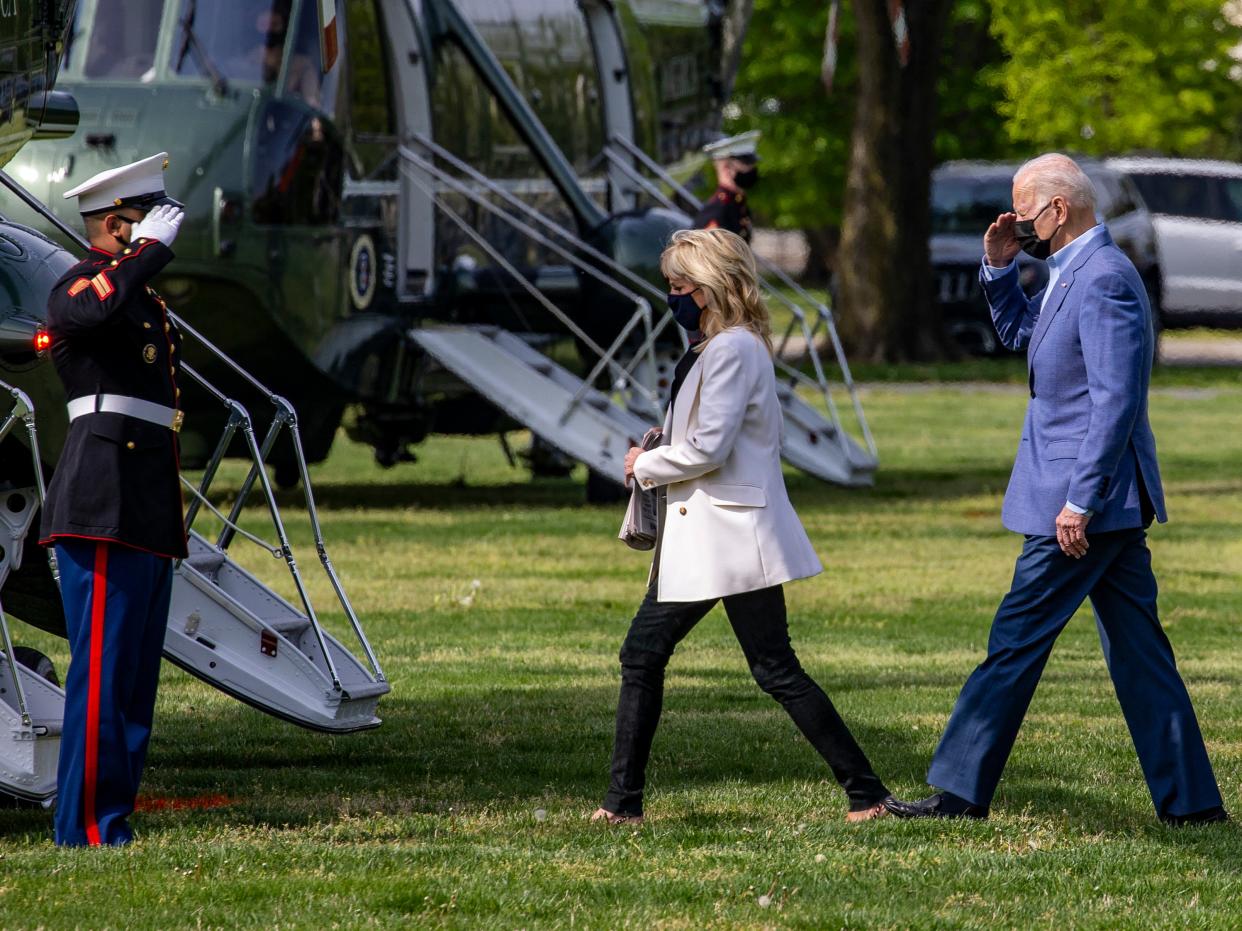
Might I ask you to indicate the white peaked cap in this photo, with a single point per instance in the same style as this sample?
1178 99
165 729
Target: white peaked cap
740 146
140 184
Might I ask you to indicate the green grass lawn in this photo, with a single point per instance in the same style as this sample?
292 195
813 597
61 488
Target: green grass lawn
468 807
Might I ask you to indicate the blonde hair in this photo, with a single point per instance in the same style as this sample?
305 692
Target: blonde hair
721 265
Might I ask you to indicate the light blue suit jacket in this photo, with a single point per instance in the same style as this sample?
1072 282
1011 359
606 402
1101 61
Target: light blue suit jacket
1086 437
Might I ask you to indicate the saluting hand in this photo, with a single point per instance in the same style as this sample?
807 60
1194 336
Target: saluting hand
1000 246
1072 533
162 223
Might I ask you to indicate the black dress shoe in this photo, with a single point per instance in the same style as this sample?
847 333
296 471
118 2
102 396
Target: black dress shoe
1207 816
940 805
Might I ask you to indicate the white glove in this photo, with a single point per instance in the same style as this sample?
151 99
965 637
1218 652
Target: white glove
160 223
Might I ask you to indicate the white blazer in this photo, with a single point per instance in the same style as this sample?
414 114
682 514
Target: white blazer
728 526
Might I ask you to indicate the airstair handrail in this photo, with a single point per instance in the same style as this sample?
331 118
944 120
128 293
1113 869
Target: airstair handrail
23 410
823 312
607 358
648 346
283 413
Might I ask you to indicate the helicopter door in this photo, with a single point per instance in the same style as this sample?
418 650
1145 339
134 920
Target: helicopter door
297 173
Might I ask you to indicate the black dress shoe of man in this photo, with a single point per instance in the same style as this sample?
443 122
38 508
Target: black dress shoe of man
940 805
1207 816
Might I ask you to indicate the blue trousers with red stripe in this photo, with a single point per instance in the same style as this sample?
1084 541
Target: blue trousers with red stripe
116 608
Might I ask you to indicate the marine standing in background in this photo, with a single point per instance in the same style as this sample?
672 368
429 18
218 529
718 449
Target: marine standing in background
737 171
114 510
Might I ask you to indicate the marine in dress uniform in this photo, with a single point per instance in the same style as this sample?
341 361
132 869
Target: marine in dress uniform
114 509
737 170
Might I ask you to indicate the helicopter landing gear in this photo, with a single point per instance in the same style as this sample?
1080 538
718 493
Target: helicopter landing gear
600 489
546 461
286 475
37 662
388 455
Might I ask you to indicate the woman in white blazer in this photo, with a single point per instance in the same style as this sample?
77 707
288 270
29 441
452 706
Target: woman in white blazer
727 529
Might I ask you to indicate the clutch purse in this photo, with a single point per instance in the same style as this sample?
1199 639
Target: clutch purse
640 527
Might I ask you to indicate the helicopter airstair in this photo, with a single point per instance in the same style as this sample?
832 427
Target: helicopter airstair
534 390
32 708
225 626
552 406
818 445
233 631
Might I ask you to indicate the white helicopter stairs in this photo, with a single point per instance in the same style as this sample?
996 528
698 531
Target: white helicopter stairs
564 409
229 629
526 384
32 708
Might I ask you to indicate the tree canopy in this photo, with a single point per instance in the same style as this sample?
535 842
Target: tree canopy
1018 76
1111 77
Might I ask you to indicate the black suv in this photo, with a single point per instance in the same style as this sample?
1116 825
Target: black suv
968 196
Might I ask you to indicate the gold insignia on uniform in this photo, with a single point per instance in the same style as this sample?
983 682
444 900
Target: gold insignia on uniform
79 286
149 353
117 202
103 287
165 164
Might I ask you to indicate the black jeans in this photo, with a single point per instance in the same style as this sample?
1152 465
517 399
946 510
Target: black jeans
760 625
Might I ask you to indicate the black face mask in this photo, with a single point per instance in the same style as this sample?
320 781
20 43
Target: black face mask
685 311
747 179
1028 239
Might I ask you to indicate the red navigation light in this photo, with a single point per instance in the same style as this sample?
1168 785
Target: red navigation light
42 341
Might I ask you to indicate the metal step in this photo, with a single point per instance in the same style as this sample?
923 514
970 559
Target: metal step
235 633
536 392
812 443
29 749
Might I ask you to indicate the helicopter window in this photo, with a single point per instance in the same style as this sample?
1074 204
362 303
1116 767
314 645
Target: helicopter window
304 77
239 41
122 42
370 98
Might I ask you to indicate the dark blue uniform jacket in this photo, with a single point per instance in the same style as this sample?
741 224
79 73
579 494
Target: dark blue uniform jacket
118 477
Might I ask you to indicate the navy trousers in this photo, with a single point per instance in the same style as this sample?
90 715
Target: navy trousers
1048 587
116 608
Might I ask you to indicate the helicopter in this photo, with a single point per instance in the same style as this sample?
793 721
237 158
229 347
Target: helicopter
410 218
225 625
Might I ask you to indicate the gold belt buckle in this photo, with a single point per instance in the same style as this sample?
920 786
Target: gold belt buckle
177 421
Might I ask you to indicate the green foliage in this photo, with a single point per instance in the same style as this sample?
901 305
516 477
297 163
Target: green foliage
1109 77
806 142
502 711
806 131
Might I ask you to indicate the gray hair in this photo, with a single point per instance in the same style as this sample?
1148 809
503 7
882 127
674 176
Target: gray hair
1054 174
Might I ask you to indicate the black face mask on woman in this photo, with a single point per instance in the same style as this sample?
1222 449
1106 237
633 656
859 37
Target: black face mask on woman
1028 239
747 179
685 311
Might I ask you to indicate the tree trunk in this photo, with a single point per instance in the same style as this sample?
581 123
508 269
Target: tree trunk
821 254
888 307
733 32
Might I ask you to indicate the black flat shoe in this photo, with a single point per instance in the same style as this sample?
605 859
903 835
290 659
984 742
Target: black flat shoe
1207 816
940 805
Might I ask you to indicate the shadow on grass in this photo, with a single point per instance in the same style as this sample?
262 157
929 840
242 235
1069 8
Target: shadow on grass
534 746
894 484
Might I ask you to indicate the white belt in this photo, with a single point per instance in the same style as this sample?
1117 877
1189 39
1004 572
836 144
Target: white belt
157 414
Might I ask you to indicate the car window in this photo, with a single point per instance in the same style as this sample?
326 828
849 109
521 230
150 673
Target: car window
1128 199
968 205
1232 191
1203 197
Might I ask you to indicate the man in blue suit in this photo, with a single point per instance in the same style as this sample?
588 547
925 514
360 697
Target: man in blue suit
1087 459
